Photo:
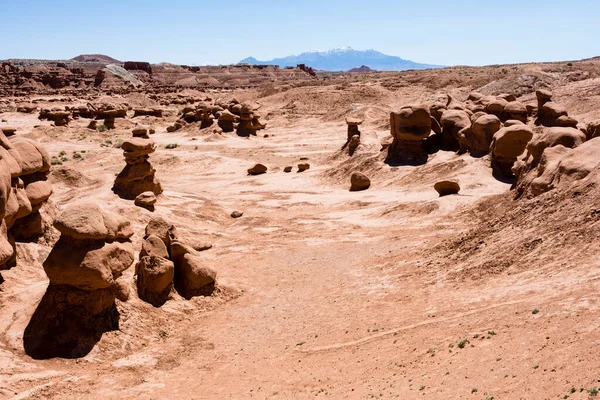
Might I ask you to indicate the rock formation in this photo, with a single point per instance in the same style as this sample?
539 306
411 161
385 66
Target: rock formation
226 121
410 127
138 176
508 144
539 158
353 135
166 262
551 113
83 268
24 189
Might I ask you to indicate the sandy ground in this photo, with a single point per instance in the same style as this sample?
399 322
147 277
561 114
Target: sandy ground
323 293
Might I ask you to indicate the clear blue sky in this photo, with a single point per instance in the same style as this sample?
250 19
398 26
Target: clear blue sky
445 32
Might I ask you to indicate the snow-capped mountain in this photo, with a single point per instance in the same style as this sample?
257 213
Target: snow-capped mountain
343 59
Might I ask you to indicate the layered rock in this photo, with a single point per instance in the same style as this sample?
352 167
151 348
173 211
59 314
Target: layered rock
83 268
138 176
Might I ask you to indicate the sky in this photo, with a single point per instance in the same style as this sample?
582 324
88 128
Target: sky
197 32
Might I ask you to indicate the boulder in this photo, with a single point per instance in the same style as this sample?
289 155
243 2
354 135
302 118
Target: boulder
155 279
258 169
359 182
146 200
154 246
192 276
445 188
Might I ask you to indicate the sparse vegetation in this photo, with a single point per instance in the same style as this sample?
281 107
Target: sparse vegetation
171 146
463 343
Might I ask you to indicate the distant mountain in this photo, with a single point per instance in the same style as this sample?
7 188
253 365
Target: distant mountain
344 59
95 58
361 69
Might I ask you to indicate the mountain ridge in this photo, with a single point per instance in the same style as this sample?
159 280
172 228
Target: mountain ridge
344 59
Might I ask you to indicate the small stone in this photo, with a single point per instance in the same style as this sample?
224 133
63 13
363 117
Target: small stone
288 169
303 167
445 188
359 182
257 169
236 214
146 200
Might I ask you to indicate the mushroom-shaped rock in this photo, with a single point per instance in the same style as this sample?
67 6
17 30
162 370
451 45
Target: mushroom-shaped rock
453 122
83 266
508 144
225 121
138 176
445 188
359 181
258 169
482 132
409 128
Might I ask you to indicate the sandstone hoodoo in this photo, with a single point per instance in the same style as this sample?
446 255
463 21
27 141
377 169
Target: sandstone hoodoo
249 121
83 267
410 127
359 182
445 188
258 169
508 144
138 176
353 135
226 121
479 137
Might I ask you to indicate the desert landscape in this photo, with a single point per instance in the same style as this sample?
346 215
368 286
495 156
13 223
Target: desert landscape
257 232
